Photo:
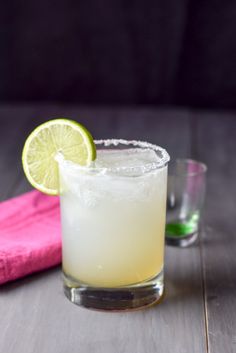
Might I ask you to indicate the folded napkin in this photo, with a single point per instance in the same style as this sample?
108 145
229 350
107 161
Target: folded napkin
30 238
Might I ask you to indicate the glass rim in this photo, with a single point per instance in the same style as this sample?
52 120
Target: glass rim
190 174
147 167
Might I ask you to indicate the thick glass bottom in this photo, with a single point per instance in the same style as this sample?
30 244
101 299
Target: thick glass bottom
181 241
132 297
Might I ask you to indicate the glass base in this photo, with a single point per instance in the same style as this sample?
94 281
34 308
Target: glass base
133 297
181 241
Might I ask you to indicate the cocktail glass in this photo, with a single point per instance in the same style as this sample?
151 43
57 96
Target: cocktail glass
185 199
113 224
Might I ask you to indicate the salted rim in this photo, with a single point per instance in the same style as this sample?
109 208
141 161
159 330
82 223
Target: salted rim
115 142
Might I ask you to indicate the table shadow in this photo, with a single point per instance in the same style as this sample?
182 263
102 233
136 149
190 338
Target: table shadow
28 280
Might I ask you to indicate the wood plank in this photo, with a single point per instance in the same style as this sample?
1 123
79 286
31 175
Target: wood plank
13 130
215 137
36 309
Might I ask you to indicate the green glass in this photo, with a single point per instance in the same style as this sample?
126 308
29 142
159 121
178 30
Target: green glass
186 193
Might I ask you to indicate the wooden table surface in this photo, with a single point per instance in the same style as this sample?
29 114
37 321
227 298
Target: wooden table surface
198 313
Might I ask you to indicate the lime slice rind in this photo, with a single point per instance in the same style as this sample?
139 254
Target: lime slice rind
70 138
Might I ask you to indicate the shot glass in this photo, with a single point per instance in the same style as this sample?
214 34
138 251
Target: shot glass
113 226
185 199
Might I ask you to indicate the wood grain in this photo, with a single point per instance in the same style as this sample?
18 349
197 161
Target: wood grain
35 315
216 145
14 128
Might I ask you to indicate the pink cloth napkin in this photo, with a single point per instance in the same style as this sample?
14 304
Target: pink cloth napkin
30 237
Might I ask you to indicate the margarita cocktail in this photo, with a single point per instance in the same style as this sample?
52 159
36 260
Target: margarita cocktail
113 210
113 222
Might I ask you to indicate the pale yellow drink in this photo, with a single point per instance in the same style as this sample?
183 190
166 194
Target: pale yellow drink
113 218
